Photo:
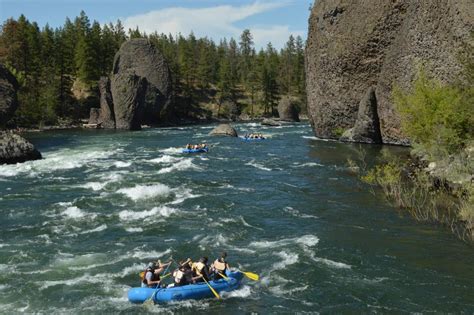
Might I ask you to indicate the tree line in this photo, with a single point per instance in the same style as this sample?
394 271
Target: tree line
51 63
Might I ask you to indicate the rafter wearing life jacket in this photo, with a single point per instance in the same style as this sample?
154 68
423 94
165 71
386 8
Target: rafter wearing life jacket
201 270
220 266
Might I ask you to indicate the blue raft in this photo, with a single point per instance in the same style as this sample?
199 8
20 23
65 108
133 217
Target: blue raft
204 150
252 139
187 292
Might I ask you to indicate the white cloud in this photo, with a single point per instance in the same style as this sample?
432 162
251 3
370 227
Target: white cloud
215 22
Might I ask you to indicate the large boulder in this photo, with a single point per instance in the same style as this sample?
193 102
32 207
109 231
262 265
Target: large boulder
288 109
367 126
8 96
270 122
106 113
128 93
145 61
15 149
353 45
94 116
224 130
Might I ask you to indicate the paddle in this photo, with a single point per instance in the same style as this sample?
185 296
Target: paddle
151 299
212 289
251 275
225 277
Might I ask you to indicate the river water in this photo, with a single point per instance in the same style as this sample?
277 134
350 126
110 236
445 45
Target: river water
78 226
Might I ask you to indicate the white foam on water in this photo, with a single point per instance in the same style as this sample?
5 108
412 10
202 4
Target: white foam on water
135 268
145 191
288 258
332 263
73 212
298 214
94 185
305 240
182 194
179 166
120 164
172 150
278 290
243 292
248 225
3 287
166 159
141 254
163 211
97 229
259 166
65 159
134 230
86 278
309 164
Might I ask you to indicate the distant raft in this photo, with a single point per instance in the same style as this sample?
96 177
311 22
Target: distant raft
252 139
187 292
202 150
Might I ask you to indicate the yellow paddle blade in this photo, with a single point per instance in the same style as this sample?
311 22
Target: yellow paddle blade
251 275
212 289
226 278
142 274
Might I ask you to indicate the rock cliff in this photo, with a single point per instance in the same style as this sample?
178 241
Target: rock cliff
138 90
356 44
13 148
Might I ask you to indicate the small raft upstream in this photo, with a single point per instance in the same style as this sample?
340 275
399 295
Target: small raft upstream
202 150
186 292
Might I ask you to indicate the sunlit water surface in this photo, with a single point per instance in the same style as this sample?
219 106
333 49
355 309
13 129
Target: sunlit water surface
78 226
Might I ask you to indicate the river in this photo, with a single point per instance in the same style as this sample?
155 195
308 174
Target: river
78 226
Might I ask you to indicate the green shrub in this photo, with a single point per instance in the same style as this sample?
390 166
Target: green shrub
439 118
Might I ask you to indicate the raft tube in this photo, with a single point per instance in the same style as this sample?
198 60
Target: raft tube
195 150
187 292
252 139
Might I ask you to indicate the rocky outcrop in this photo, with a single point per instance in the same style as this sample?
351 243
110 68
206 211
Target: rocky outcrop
15 149
94 116
106 112
140 57
367 127
139 90
288 109
8 97
224 130
270 122
354 45
128 93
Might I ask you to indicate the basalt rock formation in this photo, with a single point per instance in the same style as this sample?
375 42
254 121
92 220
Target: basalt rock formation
139 89
13 148
366 128
354 45
224 130
287 110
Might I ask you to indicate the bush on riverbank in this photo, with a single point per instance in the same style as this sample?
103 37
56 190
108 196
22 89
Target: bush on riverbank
436 183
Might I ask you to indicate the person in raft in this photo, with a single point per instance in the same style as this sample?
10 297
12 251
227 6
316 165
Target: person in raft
200 270
151 278
183 275
220 266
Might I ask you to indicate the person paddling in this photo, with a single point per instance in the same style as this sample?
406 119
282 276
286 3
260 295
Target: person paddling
220 266
151 277
201 270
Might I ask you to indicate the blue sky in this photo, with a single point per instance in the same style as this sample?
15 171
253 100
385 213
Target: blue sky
268 20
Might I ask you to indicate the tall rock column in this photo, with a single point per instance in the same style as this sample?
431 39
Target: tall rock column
356 44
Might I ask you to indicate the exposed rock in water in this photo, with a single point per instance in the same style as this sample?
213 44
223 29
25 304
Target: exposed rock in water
15 149
140 57
128 93
94 116
367 126
270 122
8 96
353 45
224 130
288 109
106 113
